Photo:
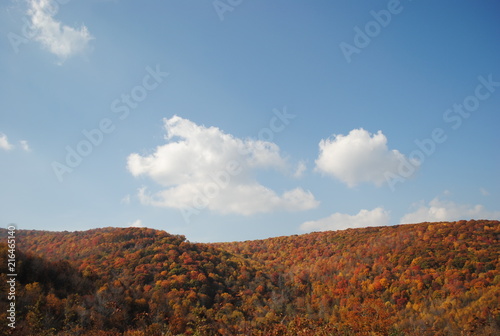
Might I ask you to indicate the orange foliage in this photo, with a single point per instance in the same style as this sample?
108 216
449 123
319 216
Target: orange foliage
421 279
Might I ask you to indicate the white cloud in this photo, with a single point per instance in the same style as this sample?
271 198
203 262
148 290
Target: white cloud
4 143
137 224
441 210
59 39
301 168
358 157
203 167
340 221
25 146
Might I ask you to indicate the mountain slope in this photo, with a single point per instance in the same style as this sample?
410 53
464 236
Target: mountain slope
421 279
142 279
429 278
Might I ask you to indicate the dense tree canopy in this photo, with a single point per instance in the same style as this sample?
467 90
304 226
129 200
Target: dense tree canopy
421 279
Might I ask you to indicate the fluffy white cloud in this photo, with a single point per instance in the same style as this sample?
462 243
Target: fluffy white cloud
203 167
4 143
340 221
440 210
358 157
59 39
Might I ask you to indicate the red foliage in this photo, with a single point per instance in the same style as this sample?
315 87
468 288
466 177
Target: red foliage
422 279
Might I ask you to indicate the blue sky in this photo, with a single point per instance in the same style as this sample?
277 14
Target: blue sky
234 120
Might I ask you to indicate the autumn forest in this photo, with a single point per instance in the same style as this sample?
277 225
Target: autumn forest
420 279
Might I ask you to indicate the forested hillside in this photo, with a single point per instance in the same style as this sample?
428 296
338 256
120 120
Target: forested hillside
424 279
421 279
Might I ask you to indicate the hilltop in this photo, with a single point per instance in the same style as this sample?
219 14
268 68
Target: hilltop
419 279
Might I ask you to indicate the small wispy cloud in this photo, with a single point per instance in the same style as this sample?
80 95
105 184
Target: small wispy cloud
4 143
25 146
341 221
439 210
125 199
484 192
61 40
137 224
301 168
